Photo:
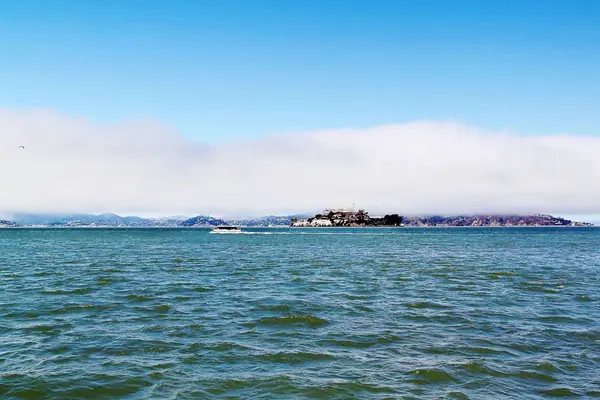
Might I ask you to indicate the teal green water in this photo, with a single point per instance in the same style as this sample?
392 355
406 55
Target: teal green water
285 314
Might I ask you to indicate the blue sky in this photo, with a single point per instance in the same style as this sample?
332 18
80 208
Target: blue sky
226 70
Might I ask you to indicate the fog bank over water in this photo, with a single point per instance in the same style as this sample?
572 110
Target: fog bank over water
422 167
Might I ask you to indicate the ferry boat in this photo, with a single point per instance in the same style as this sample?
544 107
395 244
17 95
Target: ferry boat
226 229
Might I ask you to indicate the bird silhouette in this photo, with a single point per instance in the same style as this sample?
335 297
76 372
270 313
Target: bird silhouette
21 147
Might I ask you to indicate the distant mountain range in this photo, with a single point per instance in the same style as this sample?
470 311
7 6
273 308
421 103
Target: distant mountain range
493 220
270 220
91 220
114 220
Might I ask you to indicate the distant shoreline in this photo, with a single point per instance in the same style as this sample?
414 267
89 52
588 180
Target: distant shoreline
327 219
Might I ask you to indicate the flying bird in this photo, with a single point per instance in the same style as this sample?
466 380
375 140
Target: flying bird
22 147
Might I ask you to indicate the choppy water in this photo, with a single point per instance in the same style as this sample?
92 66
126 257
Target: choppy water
339 314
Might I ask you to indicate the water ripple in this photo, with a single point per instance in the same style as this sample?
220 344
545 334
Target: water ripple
338 314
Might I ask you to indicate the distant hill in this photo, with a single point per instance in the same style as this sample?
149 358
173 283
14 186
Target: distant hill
203 221
492 220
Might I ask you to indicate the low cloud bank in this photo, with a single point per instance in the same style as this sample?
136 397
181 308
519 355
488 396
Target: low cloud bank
424 167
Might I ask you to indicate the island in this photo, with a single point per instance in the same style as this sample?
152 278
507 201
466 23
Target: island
347 218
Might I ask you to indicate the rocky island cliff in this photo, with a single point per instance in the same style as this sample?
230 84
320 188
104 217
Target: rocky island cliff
347 218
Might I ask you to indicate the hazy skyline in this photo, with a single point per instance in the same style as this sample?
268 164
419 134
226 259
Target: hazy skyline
250 108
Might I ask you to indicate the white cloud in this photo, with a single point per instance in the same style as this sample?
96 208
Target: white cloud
414 168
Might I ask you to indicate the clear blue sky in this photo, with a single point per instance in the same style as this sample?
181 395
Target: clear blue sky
222 70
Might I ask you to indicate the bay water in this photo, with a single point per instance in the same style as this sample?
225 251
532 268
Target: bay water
406 313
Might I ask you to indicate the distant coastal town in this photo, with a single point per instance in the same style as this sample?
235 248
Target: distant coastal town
328 218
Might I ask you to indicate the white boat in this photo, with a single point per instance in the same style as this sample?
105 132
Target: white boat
226 229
